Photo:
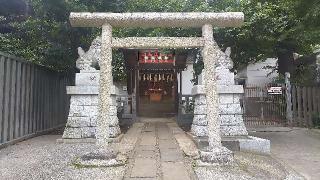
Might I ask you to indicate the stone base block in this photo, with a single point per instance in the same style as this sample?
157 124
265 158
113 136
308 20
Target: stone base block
199 130
88 140
114 131
216 155
87 79
237 143
247 144
255 144
87 132
200 120
237 130
100 159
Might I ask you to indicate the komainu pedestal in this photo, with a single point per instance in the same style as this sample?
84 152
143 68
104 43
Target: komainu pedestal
82 119
232 128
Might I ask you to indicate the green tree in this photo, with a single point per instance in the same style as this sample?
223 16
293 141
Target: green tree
41 32
273 29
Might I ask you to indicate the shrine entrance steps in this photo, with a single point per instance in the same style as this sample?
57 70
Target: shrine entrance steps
157 155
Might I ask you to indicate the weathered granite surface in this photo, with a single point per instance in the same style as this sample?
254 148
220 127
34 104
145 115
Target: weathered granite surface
157 19
229 109
82 120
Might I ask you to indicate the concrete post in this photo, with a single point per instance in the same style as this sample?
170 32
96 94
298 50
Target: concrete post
289 114
105 87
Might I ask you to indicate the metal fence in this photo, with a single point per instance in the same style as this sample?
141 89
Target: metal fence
33 99
262 108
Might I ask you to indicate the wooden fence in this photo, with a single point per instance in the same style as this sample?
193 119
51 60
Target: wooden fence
33 99
305 105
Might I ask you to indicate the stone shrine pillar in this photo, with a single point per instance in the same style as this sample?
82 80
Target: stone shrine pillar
105 83
215 152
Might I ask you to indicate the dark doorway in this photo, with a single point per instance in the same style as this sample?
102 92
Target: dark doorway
157 93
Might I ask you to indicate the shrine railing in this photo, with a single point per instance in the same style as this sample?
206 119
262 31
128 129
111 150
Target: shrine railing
125 107
185 110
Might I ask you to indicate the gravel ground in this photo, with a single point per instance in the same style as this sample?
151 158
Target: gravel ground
43 158
248 166
298 148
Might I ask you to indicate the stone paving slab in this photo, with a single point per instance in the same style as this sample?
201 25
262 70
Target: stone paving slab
163 135
144 167
144 154
171 155
176 171
187 145
132 178
145 148
168 144
148 139
149 128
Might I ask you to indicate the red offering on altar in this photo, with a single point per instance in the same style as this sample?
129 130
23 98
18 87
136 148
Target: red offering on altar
155 95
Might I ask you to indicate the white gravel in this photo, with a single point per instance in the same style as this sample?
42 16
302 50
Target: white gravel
43 158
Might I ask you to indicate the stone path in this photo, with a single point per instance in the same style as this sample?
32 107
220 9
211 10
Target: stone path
157 155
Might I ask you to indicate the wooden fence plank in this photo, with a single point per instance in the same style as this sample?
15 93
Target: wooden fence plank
50 103
47 102
304 105
23 100
18 99
27 107
6 107
294 104
309 106
12 99
2 84
41 101
31 99
299 103
54 116
35 102
318 99
37 97
314 100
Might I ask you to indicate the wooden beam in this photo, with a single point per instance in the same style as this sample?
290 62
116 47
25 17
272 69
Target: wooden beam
157 42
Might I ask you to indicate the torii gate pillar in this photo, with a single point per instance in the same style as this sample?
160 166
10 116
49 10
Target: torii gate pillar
215 152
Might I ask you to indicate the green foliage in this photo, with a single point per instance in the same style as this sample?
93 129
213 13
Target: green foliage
44 35
271 27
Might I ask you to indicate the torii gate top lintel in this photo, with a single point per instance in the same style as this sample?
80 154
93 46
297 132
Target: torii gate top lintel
157 19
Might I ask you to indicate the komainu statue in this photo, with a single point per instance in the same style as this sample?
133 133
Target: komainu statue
89 61
224 61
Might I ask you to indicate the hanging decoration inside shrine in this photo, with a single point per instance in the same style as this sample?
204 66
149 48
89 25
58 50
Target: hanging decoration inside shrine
156 77
156 57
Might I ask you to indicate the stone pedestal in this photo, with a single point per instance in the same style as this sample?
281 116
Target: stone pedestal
82 119
232 128
219 155
230 112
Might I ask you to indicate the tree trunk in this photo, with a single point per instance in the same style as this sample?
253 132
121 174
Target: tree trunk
285 59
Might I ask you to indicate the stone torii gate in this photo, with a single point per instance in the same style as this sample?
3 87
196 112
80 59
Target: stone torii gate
215 152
